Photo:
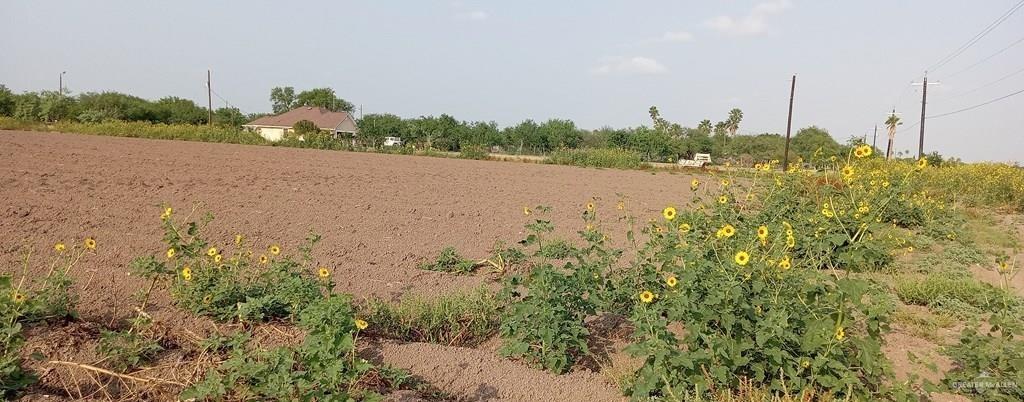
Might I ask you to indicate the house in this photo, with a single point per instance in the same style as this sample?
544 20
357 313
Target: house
273 128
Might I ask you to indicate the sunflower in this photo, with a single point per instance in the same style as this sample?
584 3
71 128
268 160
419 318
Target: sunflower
725 182
217 258
922 163
863 209
590 207
685 227
1004 267
742 258
722 199
275 250
646 296
858 152
18 297
785 263
60 247
361 325
848 171
790 241
167 213
827 212
207 299
527 211
186 273
669 213
263 259
762 233
90 243
728 230
171 253
694 184
620 206
671 281
323 273
840 333
867 150
212 251
238 239
885 183
805 363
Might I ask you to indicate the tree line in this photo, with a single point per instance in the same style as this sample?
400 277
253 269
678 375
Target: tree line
661 141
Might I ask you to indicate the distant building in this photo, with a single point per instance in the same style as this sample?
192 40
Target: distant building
274 128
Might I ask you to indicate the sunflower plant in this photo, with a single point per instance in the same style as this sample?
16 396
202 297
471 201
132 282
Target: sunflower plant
236 281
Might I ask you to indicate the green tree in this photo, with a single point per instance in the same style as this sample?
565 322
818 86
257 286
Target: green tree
7 101
559 133
174 110
814 144
374 127
322 97
705 127
526 137
282 99
733 122
891 123
229 117
304 127
26 106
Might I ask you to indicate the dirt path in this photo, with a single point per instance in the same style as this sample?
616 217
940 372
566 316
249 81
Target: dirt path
481 375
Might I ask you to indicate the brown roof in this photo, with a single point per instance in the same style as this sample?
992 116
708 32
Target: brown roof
323 118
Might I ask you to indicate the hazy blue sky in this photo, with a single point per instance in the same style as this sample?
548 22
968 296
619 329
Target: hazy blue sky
600 64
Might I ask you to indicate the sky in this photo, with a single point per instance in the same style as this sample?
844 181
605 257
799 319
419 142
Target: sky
602 64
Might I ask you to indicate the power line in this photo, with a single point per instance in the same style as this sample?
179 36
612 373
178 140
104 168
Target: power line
976 37
976 106
989 84
1015 43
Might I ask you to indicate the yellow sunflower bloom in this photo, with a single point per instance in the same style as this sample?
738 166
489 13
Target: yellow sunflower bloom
725 182
527 211
60 247
848 171
723 199
671 281
18 297
171 253
646 296
728 230
590 206
840 333
669 213
263 259
323 273
238 239
217 258
694 184
620 206
922 163
186 273
90 243
742 258
785 263
762 233
212 251
685 227
275 250
361 325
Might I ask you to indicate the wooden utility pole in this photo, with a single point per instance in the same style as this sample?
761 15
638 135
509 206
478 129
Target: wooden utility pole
789 124
874 137
209 99
924 101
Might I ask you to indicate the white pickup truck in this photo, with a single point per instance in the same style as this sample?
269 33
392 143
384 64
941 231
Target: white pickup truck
698 160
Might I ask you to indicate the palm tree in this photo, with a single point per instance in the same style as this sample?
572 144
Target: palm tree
733 122
891 122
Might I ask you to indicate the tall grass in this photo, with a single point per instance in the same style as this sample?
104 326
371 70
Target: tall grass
459 319
138 129
598 157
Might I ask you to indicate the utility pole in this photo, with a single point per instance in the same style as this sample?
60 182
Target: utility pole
924 102
209 99
60 85
874 137
789 124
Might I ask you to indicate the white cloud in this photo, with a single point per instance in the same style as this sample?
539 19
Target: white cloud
633 65
752 23
472 15
677 36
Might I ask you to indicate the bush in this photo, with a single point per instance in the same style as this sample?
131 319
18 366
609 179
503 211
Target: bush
324 367
450 261
461 319
597 157
989 366
185 132
477 152
241 284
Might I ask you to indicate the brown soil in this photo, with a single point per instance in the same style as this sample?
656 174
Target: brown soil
380 215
